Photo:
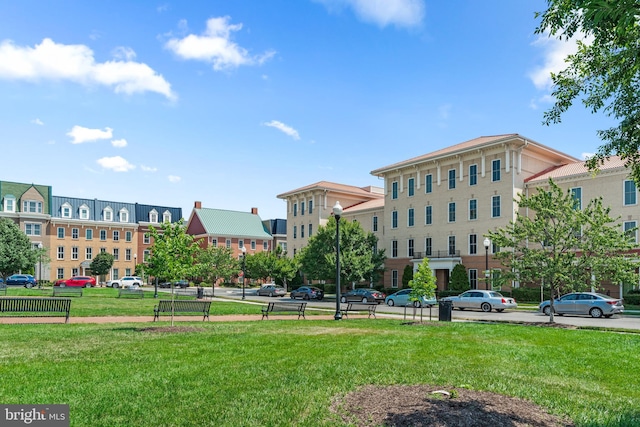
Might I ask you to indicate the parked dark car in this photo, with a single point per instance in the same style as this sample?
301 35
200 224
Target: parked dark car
307 292
81 281
181 284
365 295
26 280
271 291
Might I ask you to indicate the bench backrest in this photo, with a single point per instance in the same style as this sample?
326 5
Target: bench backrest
288 306
35 304
184 306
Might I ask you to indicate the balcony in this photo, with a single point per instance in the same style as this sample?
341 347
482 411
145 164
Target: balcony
437 254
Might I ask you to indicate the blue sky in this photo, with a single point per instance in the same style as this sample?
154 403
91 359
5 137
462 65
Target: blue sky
233 102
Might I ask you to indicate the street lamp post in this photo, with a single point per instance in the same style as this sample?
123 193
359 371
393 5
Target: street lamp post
244 266
337 212
487 275
40 265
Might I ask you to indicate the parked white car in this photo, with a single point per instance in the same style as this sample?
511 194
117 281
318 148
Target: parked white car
483 300
126 282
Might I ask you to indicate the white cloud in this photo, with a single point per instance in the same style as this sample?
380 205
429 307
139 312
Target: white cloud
402 13
215 46
120 143
81 134
174 179
283 128
124 53
148 168
37 122
52 61
116 164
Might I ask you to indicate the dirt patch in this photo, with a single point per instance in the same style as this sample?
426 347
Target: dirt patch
170 329
404 406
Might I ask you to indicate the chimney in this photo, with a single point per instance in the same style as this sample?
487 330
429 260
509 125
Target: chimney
254 211
197 205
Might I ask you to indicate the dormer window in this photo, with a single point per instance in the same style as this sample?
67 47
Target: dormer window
107 214
32 206
65 210
124 215
9 203
153 216
166 216
84 212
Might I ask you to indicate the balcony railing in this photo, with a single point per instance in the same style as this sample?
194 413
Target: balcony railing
437 254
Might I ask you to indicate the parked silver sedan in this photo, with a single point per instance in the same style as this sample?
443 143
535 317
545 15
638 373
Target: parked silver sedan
271 291
583 304
482 300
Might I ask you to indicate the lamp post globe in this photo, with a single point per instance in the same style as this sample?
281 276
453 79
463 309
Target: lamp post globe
337 213
486 243
244 266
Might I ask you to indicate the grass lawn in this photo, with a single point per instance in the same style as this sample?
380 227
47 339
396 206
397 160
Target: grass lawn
286 373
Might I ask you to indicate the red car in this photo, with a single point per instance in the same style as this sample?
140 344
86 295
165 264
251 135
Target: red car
82 281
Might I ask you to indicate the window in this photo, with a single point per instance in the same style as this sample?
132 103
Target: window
88 234
60 273
394 249
295 231
32 206
394 219
146 239
103 234
302 231
240 244
576 193
116 254
394 190
428 183
310 229
103 250
394 278
31 229
295 209
127 255
228 243
124 215
495 170
630 193
473 209
265 245
74 252
153 216
410 217
88 253
410 248
452 212
301 208
115 273
631 231
473 174
127 236
145 255
473 278
60 252
65 210
310 207
166 216
9 203
75 233
127 272
428 215
375 223
214 243
452 179
84 212
116 235
74 272
107 214
452 245
253 245
60 232
411 187
473 244
495 206
428 246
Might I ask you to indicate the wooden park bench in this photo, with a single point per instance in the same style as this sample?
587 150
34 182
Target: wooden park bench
182 306
281 307
71 291
354 307
130 293
33 305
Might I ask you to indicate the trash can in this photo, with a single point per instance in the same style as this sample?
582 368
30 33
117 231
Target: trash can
200 292
444 312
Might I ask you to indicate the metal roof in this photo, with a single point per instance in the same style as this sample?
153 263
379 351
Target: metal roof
219 222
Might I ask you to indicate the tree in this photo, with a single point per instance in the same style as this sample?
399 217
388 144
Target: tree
286 268
423 285
16 253
562 246
407 275
102 263
605 72
459 280
358 258
261 265
214 263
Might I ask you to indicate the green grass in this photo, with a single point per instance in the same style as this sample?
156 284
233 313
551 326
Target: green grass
286 373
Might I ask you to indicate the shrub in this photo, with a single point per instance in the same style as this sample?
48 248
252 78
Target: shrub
459 280
632 299
529 294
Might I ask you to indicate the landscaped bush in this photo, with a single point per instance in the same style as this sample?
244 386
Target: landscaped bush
443 294
529 294
634 291
633 299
